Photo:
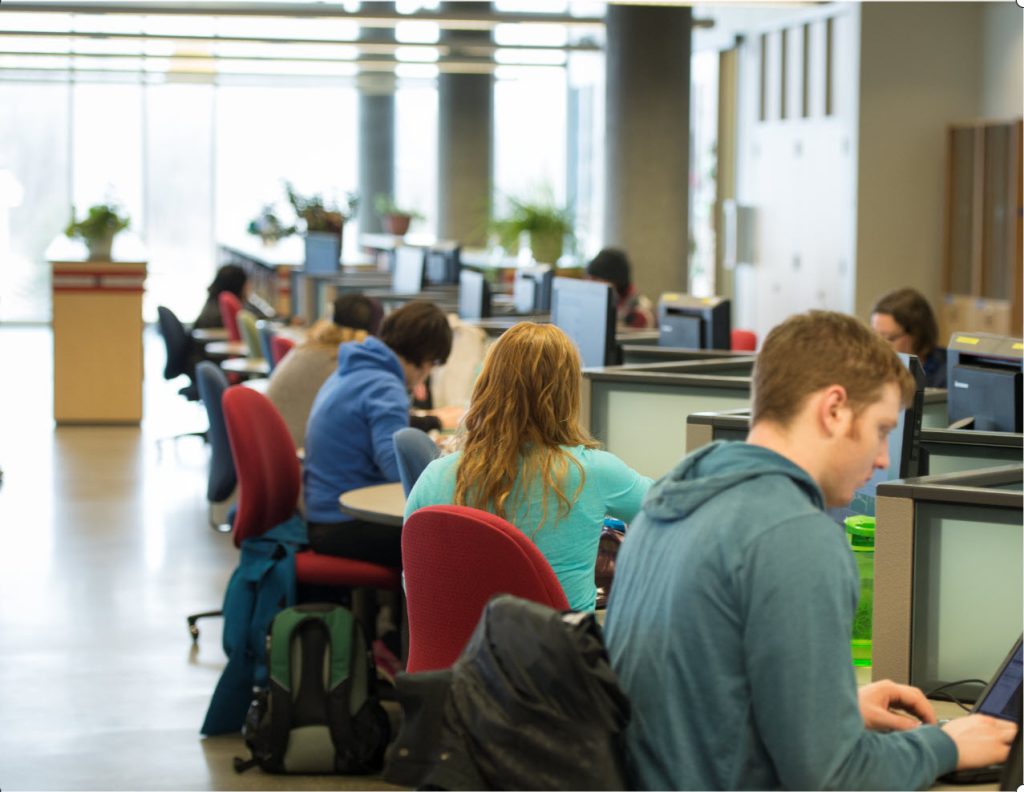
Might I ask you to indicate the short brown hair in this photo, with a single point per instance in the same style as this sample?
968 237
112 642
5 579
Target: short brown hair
419 332
814 350
911 311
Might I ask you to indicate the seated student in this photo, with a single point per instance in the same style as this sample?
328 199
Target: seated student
611 265
905 319
230 278
296 380
523 455
349 435
729 624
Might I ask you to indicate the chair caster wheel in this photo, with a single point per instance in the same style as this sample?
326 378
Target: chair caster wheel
193 630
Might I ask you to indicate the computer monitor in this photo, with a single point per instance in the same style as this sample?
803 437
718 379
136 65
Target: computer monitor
531 289
904 456
407 275
474 295
694 322
443 264
585 310
984 382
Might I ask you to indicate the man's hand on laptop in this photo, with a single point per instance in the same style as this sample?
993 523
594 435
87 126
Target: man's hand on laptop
888 706
981 740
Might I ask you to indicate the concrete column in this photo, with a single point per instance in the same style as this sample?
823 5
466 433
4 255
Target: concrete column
647 140
465 141
376 131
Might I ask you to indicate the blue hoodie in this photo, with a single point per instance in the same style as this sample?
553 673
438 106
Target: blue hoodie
729 628
348 437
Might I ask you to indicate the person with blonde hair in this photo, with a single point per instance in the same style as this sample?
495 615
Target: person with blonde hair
522 454
297 379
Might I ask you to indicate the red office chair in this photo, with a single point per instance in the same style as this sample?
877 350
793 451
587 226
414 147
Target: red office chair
455 559
268 490
743 341
230 305
279 347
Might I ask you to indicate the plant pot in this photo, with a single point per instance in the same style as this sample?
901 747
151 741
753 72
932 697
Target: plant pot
546 246
397 224
323 251
99 249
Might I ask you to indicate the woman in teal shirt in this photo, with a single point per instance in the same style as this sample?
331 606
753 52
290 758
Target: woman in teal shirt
522 454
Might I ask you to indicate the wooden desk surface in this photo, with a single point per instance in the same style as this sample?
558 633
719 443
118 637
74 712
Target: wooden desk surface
381 503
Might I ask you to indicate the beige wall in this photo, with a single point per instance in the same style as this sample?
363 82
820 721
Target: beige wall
920 70
1002 93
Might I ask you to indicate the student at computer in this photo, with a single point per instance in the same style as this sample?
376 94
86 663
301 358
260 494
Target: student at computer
522 454
611 265
297 379
230 278
348 440
730 619
905 319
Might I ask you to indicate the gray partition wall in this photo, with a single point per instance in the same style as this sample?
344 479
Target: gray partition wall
639 412
948 585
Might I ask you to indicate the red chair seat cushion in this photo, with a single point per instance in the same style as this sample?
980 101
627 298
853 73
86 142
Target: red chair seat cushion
327 570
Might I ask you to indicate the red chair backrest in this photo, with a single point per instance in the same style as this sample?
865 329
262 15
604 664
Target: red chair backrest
743 341
265 462
455 559
230 305
279 347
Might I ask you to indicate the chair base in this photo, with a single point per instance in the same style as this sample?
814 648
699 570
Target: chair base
193 629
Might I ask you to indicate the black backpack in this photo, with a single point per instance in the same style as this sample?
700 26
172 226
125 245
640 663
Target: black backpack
320 713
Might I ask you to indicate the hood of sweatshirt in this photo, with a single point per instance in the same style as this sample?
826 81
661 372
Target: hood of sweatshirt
371 353
708 471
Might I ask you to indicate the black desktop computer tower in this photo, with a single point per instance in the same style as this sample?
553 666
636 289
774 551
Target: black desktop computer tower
688 322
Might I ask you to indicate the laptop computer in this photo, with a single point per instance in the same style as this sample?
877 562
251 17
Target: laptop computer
1000 699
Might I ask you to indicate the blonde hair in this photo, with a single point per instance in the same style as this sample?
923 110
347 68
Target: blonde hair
327 333
525 407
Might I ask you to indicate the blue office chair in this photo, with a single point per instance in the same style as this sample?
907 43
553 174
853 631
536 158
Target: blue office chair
414 450
265 328
222 479
179 347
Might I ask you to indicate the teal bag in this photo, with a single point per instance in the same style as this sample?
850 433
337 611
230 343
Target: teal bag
320 712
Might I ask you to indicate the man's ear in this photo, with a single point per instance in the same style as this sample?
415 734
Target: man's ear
834 411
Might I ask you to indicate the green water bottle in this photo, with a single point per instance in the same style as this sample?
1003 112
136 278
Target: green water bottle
860 530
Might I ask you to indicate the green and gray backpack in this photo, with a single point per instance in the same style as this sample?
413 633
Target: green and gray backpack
320 713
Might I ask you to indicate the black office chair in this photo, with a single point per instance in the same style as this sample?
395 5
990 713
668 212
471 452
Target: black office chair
179 348
179 361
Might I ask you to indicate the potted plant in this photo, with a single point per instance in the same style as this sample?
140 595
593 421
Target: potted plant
269 227
546 223
98 228
323 226
394 219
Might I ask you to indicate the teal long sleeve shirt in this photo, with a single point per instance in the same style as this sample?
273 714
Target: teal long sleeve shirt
729 629
569 543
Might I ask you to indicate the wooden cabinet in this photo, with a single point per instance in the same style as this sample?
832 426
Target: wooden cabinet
982 273
97 341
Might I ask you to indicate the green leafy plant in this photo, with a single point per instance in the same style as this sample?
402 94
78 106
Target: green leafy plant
268 226
385 205
320 215
545 222
101 222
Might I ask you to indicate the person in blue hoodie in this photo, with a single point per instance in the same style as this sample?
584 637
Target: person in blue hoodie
730 619
354 415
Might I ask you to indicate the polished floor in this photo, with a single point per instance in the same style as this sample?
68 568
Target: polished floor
105 549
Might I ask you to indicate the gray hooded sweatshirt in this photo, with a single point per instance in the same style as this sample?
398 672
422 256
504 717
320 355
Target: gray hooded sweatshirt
729 628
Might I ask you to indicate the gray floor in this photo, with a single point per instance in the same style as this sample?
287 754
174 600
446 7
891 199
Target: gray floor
106 548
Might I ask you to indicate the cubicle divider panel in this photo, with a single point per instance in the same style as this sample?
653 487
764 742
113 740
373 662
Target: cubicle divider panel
644 423
894 564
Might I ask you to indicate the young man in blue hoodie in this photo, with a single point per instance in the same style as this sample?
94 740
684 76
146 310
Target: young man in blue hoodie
730 619
349 433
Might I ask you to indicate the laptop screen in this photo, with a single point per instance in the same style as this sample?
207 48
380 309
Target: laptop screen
1002 699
